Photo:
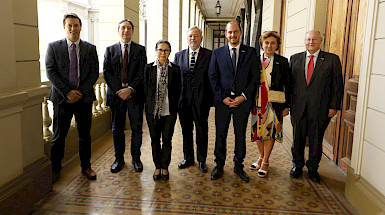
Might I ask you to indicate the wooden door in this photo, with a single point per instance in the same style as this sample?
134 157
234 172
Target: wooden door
344 35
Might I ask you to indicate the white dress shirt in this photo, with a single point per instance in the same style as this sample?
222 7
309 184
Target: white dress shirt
308 59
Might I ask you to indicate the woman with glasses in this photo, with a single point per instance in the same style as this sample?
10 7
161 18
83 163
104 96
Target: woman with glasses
162 87
272 100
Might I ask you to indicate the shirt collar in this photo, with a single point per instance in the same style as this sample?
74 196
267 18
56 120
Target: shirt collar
196 51
69 42
237 47
315 54
122 44
156 63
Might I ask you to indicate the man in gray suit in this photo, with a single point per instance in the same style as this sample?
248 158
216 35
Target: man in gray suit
72 68
317 94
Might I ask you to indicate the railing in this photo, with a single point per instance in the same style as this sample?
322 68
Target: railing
99 107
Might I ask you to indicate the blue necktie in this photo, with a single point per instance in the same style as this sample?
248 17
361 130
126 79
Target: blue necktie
234 60
73 79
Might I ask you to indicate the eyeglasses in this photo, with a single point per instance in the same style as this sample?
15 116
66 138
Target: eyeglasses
312 39
164 51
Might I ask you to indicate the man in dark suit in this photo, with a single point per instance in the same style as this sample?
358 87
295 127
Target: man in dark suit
317 93
196 98
233 75
123 71
73 68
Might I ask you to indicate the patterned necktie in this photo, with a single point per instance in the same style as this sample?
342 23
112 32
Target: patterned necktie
310 69
124 65
73 79
234 60
192 61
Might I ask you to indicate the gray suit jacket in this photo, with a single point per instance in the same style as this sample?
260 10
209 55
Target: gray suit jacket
325 89
57 66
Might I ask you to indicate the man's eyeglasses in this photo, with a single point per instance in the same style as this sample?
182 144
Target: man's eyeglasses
165 51
312 39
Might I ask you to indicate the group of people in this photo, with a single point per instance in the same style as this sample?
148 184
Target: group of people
232 78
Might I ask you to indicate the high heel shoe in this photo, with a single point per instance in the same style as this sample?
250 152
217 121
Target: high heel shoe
166 176
262 173
256 165
157 177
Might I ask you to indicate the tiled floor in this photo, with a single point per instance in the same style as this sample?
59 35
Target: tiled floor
191 192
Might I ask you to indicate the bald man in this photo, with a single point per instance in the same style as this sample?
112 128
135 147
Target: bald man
317 94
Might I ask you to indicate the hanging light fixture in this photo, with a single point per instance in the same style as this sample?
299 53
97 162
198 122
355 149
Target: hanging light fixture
218 8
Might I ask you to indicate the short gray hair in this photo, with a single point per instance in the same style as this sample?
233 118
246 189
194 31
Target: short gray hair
194 27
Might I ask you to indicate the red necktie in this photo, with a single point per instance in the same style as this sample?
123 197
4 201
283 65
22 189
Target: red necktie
310 69
124 65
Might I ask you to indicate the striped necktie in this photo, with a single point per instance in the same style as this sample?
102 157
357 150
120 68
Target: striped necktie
192 61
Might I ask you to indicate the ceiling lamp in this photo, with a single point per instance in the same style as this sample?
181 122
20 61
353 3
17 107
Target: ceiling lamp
218 8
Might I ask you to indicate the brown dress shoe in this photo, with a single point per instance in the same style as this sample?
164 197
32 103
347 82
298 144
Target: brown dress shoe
89 173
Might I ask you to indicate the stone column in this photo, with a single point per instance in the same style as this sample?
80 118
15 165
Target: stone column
157 25
185 21
175 34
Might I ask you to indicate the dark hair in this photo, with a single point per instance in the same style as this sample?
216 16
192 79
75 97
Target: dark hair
268 34
126 20
71 15
162 41
232 22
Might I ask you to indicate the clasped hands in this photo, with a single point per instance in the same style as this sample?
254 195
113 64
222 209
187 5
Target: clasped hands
74 96
233 102
125 93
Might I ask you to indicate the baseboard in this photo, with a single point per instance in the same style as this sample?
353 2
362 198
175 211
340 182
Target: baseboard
20 194
363 196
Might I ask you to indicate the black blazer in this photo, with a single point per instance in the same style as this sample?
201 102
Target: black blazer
173 86
247 74
112 69
281 80
57 66
195 84
325 89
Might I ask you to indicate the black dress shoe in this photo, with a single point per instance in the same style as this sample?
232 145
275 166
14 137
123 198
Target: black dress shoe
242 174
117 166
138 166
314 176
296 172
203 167
166 176
185 163
157 177
217 172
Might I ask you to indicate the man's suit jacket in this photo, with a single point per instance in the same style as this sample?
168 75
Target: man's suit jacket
325 89
112 71
195 84
173 86
246 78
57 66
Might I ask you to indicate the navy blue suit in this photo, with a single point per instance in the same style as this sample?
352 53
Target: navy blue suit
196 100
242 80
112 72
57 66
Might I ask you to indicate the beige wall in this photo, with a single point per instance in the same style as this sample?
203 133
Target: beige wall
271 15
302 16
175 34
20 91
368 146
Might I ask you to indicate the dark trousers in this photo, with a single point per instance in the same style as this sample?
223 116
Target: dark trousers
135 115
222 120
315 130
62 117
161 128
188 116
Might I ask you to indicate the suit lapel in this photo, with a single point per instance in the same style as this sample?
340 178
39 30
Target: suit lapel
200 56
64 48
82 53
302 63
241 57
185 59
227 58
318 65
